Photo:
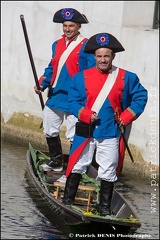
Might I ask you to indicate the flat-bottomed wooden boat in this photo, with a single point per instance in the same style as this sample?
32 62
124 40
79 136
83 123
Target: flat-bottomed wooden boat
82 216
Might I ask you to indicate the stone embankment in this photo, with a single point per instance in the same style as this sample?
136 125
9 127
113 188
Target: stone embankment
24 128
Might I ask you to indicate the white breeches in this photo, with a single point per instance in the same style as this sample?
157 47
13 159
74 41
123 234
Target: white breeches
52 121
106 157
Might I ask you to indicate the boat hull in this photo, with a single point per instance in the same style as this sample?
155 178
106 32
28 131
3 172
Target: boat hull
72 221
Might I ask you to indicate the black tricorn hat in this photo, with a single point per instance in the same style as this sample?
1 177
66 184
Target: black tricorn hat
69 14
103 40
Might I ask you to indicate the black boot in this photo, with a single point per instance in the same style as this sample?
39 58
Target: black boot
65 163
106 191
71 187
55 152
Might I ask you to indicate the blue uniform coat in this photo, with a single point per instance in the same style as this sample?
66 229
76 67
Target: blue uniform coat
127 95
76 61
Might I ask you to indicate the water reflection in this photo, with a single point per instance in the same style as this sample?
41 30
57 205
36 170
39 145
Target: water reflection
20 216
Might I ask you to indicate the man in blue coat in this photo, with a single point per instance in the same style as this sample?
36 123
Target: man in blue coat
96 96
68 58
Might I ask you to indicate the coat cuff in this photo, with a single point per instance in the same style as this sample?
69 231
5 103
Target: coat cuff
41 79
84 115
128 116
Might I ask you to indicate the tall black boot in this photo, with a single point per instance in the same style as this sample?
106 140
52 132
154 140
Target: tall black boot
65 163
71 187
106 191
55 152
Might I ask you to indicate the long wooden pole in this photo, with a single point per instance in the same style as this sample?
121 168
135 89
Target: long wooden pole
31 59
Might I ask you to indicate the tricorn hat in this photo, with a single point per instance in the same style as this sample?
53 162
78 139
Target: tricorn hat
69 14
103 40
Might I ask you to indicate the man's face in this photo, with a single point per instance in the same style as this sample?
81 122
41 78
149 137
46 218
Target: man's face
104 58
70 29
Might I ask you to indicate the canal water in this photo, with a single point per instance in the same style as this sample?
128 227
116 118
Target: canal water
24 214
